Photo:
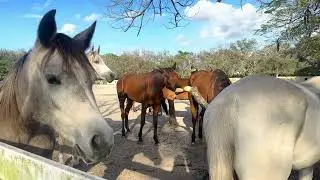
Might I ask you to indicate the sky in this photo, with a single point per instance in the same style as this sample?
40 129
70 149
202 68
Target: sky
211 25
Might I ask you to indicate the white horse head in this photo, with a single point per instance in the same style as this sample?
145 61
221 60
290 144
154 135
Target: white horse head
97 62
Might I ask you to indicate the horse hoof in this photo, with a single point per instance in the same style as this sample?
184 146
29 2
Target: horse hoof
123 134
128 130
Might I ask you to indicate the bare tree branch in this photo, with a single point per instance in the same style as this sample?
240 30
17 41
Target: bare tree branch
128 14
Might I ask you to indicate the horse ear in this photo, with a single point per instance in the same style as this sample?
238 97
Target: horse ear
174 66
47 28
84 38
99 49
92 48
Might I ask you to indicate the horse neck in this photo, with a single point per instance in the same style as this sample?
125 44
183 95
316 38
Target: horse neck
183 82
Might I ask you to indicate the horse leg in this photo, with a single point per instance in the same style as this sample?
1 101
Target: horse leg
172 118
127 110
194 114
122 98
164 106
201 122
156 109
143 120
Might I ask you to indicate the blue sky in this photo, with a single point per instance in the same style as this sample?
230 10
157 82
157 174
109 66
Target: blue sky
214 25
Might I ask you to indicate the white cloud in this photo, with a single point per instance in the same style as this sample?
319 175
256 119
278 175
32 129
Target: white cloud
32 15
68 29
182 40
92 17
224 20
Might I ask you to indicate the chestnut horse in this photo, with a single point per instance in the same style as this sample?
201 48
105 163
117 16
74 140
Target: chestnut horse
145 88
209 84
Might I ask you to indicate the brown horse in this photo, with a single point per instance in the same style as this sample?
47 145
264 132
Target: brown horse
145 88
50 91
209 84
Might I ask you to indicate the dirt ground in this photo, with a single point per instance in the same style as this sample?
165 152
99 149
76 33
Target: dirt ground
173 158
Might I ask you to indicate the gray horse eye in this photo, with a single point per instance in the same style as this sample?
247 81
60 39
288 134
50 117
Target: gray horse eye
53 79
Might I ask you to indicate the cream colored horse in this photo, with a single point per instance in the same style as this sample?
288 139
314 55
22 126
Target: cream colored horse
50 91
262 127
102 72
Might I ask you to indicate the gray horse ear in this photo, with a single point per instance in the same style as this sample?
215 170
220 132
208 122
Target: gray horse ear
47 28
84 38
99 49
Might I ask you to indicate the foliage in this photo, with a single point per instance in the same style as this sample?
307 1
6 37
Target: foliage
7 59
242 58
291 20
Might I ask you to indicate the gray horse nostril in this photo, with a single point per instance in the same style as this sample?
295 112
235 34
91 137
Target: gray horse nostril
97 141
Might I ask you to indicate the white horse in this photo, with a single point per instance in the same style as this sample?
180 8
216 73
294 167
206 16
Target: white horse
262 127
98 64
103 72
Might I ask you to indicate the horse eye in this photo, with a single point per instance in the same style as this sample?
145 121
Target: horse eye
96 62
53 79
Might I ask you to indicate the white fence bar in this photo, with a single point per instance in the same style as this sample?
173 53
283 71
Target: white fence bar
17 164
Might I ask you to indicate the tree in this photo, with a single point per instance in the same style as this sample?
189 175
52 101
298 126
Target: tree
245 46
291 20
128 14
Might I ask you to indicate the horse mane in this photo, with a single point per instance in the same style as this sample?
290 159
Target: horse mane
9 107
70 50
222 77
163 70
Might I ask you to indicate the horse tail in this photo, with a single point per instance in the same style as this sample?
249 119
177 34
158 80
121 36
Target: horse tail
218 130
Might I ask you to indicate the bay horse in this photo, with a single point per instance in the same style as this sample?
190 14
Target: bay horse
145 88
49 91
262 127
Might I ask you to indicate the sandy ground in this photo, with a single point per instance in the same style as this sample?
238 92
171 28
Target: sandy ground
173 158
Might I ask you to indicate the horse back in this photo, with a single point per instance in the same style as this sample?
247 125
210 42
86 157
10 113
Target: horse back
209 83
